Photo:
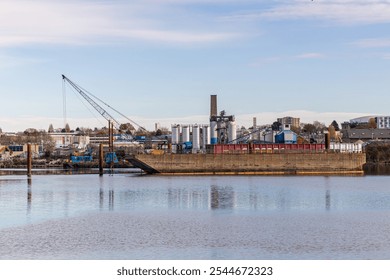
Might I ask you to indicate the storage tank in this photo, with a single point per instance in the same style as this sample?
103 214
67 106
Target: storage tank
213 133
195 138
232 132
186 134
205 136
175 137
175 134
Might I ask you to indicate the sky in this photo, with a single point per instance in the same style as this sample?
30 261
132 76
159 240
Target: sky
160 60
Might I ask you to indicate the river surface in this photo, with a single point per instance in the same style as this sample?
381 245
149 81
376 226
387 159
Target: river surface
130 216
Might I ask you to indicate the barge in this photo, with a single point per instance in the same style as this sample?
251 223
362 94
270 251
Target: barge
249 159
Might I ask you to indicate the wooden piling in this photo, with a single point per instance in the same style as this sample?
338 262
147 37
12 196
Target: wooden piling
327 140
101 159
29 160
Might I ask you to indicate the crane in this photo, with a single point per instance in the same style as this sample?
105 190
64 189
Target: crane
110 157
87 96
95 105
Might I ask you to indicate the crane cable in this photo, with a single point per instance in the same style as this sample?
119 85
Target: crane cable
64 103
85 105
86 91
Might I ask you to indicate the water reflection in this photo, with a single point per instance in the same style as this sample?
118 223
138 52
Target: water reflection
183 198
327 193
170 216
29 196
111 199
66 196
327 200
101 198
222 197
214 197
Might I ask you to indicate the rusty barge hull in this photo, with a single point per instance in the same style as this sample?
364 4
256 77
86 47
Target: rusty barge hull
251 164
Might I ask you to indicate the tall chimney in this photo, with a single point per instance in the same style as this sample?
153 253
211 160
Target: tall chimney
213 106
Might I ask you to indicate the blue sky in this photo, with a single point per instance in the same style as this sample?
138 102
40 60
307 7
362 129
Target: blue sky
159 60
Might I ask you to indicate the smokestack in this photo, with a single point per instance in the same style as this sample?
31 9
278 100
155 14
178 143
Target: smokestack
213 106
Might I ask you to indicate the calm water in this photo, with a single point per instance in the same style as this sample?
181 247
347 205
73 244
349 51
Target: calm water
127 216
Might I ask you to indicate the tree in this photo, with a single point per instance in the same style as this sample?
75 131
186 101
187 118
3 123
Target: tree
127 128
67 128
51 129
372 123
276 126
296 129
319 126
309 128
335 125
332 132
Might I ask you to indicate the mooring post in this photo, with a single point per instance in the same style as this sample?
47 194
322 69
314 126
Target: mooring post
327 140
101 162
29 160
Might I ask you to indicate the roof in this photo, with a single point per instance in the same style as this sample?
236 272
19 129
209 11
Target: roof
367 133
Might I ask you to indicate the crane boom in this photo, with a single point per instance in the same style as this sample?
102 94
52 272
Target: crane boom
97 107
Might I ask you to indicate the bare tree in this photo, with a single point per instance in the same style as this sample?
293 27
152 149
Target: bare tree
372 123
332 132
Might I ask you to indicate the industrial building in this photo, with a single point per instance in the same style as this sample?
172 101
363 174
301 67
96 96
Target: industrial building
286 136
194 138
190 138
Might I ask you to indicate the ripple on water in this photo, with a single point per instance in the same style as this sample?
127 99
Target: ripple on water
195 235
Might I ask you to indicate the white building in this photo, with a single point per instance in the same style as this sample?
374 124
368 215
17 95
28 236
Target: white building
67 139
382 121
362 120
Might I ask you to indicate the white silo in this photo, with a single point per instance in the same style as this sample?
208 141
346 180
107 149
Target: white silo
195 138
205 136
175 137
213 133
175 134
186 134
232 132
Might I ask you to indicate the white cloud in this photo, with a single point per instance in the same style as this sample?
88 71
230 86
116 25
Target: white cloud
175 36
309 55
342 11
21 123
261 62
84 22
7 61
373 43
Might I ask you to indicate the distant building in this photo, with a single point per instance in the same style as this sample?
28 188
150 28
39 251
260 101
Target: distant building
18 150
355 134
286 136
98 139
289 120
70 139
362 120
382 122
